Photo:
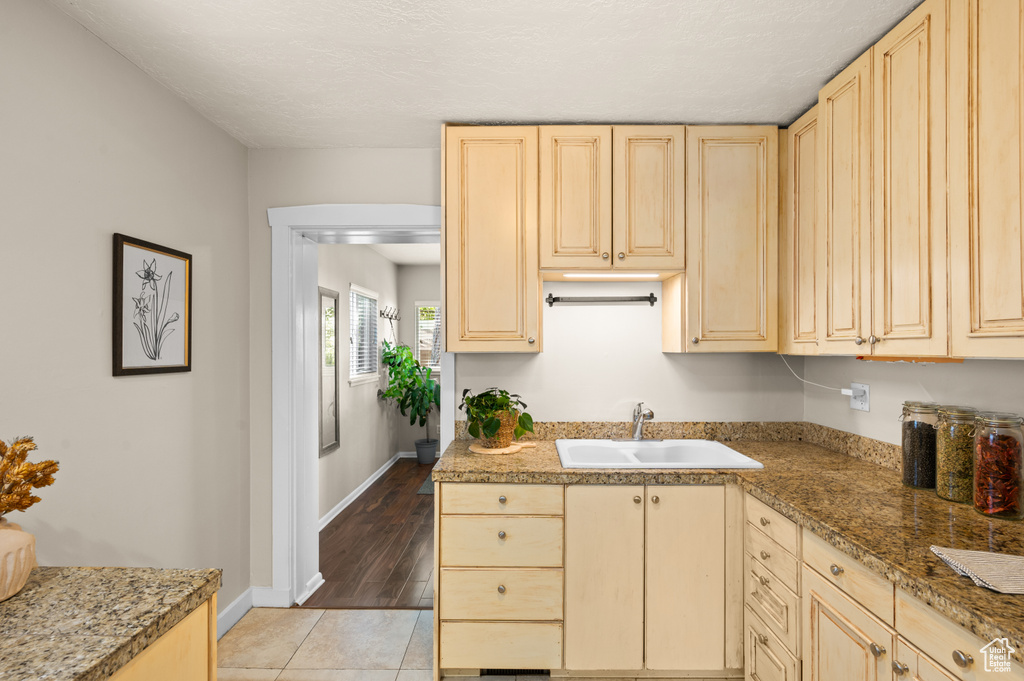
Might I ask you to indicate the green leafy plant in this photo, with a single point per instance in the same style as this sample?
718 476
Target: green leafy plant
483 410
410 385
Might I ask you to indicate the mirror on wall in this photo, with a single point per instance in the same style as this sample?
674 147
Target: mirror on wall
329 431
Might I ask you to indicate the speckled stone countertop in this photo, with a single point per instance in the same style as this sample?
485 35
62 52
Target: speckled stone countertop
84 624
859 507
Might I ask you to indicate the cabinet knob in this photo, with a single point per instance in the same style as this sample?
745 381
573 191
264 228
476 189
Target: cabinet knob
695 340
765 555
655 500
962 659
763 580
764 521
873 339
502 499
762 639
531 340
899 668
501 588
858 340
501 534
604 256
876 650
622 256
637 500
836 570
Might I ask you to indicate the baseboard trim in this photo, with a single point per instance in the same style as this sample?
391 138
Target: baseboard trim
268 597
312 585
333 513
234 611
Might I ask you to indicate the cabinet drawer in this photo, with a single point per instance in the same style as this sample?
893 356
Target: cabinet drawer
767 659
781 529
500 594
775 605
938 637
505 645
769 553
873 592
487 499
500 541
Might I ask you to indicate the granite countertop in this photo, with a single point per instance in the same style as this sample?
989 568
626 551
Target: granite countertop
859 507
84 624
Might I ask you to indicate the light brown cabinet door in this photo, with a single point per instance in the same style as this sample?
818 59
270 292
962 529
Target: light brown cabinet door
798 235
604 577
986 166
648 197
575 196
686 574
732 239
909 183
842 641
492 277
844 176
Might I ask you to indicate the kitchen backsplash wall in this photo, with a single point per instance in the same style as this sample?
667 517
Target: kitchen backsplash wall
598 361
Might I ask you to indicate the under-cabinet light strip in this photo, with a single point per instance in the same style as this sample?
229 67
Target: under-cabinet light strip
600 275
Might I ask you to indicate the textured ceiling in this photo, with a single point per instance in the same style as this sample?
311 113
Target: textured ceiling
387 73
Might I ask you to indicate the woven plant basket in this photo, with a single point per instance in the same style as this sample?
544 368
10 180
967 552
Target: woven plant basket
503 438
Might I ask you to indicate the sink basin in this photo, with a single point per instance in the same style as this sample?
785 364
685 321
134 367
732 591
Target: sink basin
650 454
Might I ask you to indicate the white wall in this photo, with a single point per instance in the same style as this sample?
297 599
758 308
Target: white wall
415 283
154 469
984 384
298 177
600 360
367 425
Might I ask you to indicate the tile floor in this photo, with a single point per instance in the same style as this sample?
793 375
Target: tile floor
298 644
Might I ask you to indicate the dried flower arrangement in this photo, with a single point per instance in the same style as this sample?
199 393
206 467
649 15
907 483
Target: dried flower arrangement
18 476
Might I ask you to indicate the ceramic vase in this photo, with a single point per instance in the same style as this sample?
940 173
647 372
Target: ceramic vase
17 558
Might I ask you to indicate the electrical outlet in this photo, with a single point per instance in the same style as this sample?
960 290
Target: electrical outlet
861 397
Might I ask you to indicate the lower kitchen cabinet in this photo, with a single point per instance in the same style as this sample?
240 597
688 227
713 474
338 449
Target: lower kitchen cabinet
188 652
653 578
767 658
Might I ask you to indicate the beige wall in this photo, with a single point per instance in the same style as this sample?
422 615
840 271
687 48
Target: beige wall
415 283
154 469
298 177
369 435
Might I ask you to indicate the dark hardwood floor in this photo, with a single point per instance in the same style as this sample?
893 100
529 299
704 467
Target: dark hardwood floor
379 552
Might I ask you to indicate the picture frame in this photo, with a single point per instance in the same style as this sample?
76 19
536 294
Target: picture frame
330 427
152 311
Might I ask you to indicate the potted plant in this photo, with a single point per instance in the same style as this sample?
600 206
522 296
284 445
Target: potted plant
416 393
496 416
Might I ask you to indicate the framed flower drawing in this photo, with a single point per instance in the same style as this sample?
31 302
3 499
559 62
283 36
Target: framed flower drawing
152 308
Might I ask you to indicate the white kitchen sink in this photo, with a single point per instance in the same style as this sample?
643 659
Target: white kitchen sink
650 454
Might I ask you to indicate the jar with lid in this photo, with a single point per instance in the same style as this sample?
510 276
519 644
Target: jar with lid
954 454
999 465
919 441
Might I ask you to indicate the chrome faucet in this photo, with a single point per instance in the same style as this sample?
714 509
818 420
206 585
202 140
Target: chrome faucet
640 417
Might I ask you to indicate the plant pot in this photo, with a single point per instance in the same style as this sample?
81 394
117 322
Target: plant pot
17 558
426 450
506 432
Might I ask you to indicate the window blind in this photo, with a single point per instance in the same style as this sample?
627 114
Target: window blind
362 353
428 324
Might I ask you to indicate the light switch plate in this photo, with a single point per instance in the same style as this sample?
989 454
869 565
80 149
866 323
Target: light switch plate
861 397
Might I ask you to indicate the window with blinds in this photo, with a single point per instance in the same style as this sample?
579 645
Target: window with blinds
362 336
428 333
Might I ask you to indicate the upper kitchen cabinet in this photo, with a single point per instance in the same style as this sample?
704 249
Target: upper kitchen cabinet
908 259
576 197
492 280
798 234
843 271
731 286
986 177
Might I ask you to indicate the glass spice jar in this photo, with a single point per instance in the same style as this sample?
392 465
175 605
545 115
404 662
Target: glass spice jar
999 466
954 454
919 419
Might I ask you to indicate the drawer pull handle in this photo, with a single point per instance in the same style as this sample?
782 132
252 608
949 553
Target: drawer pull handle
764 521
876 650
501 534
836 570
763 580
502 499
899 668
501 588
637 500
765 555
762 639
962 659
655 500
